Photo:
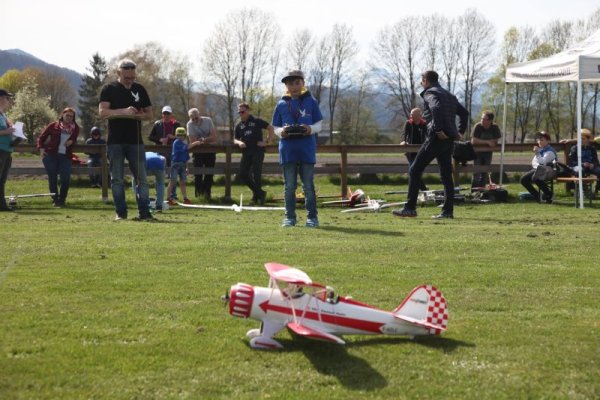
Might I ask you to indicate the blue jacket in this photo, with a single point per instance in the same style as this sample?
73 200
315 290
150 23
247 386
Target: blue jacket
305 111
441 109
180 152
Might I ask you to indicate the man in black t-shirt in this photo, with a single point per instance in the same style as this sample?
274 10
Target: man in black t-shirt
125 103
249 137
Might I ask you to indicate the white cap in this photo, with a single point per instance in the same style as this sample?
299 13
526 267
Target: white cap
167 109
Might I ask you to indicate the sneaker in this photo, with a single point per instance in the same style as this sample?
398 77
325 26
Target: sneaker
172 202
312 223
144 217
405 213
187 201
120 217
288 223
443 216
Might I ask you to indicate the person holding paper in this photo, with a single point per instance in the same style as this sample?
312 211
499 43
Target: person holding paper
55 145
6 145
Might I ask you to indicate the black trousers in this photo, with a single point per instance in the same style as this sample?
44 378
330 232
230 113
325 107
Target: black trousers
251 171
527 182
411 158
440 150
5 163
203 182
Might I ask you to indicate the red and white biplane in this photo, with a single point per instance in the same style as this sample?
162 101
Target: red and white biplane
314 311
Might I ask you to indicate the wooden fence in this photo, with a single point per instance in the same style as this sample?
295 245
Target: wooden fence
332 165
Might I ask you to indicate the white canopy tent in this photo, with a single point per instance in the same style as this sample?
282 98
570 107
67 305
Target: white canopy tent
580 63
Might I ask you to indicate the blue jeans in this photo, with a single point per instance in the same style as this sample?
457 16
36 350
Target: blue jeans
136 157
159 176
290 180
58 165
480 179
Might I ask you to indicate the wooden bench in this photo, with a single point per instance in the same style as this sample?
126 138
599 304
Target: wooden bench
587 183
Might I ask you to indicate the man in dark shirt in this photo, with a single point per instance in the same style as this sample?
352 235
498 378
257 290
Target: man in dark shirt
125 103
484 133
441 109
249 137
415 132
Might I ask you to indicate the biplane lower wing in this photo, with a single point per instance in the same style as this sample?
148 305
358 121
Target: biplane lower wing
314 334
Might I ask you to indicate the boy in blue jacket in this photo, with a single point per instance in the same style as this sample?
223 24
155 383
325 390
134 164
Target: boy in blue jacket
297 119
179 158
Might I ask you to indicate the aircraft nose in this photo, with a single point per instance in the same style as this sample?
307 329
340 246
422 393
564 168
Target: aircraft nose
241 296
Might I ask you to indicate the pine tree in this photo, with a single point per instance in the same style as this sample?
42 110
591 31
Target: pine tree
89 93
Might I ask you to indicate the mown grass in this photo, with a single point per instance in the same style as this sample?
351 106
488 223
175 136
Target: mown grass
90 308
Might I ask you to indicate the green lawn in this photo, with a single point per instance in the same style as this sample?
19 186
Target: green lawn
91 308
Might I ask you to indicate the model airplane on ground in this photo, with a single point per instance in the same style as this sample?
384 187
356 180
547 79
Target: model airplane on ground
314 311
352 199
12 199
372 205
233 207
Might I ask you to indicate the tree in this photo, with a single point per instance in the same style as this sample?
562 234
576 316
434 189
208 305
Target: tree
255 36
477 44
319 71
13 80
89 93
299 49
31 109
450 49
397 51
343 49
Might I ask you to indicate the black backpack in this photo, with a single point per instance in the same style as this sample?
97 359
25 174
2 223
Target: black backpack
463 152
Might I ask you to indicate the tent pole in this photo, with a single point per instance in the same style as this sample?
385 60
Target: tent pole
579 142
503 136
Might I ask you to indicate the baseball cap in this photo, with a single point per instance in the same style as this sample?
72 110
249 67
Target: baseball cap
295 73
180 131
4 92
167 109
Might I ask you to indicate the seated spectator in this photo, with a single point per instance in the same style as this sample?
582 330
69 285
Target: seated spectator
485 133
179 158
95 159
589 156
544 154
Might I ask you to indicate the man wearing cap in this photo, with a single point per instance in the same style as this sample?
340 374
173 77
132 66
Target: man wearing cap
589 156
6 145
125 103
163 130
95 159
297 119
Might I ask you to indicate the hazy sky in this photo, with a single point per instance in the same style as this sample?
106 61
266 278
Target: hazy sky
68 32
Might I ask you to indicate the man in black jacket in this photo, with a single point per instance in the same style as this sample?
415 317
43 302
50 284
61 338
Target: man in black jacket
441 109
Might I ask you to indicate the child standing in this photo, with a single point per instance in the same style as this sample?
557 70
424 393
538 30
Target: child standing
179 159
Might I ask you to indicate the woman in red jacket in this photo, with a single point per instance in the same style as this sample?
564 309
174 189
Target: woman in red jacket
55 144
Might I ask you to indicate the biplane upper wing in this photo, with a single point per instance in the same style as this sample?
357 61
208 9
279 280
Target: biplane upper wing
312 333
288 274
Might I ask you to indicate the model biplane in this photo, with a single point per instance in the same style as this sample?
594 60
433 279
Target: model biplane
234 207
309 309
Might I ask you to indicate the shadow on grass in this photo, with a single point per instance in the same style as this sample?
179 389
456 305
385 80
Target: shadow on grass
352 372
357 231
446 345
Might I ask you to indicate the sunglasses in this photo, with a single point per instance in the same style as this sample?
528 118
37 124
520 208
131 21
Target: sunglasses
127 66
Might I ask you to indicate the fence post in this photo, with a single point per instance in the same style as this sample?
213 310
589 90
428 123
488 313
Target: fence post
228 151
344 170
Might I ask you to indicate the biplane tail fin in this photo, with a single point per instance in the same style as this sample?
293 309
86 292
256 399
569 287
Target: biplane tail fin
424 306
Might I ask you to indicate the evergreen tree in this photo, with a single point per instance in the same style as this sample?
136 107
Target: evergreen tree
89 93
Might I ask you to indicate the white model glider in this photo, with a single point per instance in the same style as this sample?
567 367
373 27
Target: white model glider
12 199
372 205
233 207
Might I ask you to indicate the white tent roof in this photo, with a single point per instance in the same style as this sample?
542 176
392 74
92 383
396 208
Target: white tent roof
580 62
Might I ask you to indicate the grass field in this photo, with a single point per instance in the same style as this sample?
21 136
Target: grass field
92 308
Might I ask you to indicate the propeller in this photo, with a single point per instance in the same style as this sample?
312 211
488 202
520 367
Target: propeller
225 297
